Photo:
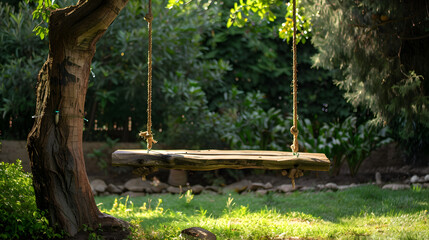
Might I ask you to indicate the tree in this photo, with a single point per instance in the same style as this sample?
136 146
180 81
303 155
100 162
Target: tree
55 141
379 50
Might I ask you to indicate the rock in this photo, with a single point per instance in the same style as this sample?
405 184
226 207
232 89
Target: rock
175 190
261 192
238 186
99 185
198 233
177 177
197 189
343 187
426 178
111 188
211 192
158 187
285 188
331 186
320 186
425 185
308 188
138 185
256 186
414 179
133 194
268 185
396 186
214 189
378 178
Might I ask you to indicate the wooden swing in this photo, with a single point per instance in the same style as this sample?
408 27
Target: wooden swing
291 163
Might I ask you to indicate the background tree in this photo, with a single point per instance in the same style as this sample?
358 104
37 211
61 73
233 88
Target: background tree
379 51
55 141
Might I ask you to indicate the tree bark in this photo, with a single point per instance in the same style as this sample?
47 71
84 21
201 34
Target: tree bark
55 141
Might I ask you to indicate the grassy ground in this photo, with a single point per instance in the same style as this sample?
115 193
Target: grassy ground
361 212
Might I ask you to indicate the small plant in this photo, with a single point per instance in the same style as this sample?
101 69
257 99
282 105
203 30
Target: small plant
344 142
188 196
230 204
19 216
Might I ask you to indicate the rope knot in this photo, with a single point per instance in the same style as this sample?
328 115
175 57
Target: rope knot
148 17
148 138
294 131
295 145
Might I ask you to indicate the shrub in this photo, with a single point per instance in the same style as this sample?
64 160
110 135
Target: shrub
343 142
19 216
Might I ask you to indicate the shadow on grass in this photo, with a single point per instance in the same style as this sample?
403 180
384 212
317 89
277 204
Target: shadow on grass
328 206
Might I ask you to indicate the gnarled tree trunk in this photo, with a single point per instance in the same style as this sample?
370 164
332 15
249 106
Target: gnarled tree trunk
55 141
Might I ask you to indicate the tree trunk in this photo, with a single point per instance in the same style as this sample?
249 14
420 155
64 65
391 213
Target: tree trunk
55 141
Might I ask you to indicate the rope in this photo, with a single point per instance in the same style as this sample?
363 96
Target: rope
147 135
294 128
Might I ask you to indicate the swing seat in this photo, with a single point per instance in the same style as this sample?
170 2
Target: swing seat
204 160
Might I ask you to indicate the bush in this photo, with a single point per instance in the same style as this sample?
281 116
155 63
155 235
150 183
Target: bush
19 216
345 142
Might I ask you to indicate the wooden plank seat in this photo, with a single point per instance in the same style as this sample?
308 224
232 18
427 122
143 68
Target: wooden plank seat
204 160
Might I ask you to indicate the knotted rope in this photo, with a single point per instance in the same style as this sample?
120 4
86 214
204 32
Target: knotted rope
147 135
294 128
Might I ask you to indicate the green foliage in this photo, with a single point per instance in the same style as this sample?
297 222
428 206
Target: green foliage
303 24
180 74
244 124
346 142
22 56
19 216
379 50
102 154
42 14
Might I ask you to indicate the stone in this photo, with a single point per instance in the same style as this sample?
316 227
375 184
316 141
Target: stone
138 185
285 188
177 177
256 186
426 178
414 179
214 189
197 189
198 233
396 186
99 185
378 180
238 186
268 185
133 194
320 186
175 190
305 188
111 188
261 192
159 187
425 185
331 186
343 187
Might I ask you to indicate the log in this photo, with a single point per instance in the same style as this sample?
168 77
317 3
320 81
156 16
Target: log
205 160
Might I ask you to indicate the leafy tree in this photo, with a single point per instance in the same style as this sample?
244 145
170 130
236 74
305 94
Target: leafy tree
22 55
379 51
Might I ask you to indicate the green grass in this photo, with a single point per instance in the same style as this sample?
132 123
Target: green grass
362 212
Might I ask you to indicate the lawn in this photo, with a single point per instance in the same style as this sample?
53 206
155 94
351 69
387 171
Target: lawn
361 212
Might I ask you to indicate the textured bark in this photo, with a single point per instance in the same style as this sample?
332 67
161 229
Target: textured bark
55 141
